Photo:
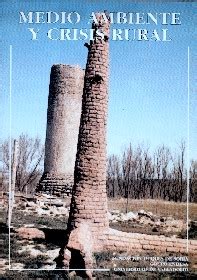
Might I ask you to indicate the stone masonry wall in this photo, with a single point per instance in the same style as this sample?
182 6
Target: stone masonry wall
63 117
117 240
88 217
89 200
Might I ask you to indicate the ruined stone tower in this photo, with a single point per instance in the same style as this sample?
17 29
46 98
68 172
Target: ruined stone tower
88 218
63 117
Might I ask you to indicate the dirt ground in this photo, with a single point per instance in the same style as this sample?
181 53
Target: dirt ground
40 253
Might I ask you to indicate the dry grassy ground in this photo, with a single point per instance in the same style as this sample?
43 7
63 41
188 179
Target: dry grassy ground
56 227
157 207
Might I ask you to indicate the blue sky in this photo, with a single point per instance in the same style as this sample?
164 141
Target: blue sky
148 80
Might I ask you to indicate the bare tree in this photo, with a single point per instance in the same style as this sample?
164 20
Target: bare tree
179 176
127 164
193 181
13 181
138 174
112 175
30 157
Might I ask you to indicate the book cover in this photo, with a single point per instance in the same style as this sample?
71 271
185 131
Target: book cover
98 133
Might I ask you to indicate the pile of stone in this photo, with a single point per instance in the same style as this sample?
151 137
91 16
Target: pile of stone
116 216
168 224
141 216
46 205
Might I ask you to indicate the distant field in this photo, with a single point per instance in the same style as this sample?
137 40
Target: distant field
157 207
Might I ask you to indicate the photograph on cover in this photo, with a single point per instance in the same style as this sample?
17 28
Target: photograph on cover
98 161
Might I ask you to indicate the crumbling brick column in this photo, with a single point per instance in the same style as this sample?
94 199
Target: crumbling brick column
88 218
63 117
